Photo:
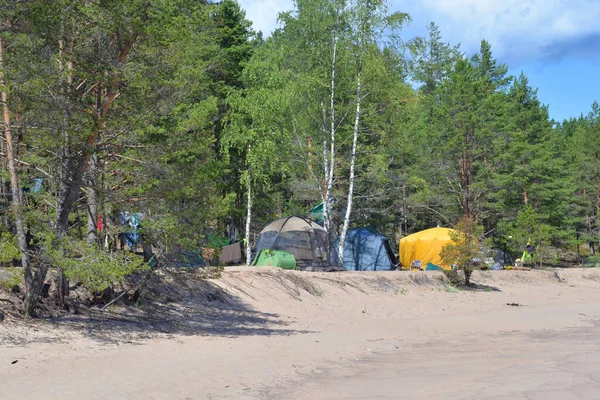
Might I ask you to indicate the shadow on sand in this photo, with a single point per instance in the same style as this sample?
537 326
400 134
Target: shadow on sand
199 308
476 287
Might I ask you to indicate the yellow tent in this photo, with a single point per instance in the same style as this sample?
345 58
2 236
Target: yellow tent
424 246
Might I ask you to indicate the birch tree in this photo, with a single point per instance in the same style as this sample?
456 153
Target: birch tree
256 132
316 33
368 21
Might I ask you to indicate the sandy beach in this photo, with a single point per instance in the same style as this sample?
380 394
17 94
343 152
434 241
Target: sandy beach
273 334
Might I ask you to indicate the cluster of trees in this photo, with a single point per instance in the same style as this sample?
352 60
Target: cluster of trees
114 106
180 111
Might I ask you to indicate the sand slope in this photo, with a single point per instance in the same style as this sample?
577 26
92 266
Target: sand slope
268 333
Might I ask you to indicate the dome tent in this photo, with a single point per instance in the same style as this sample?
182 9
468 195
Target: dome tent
304 239
425 246
367 250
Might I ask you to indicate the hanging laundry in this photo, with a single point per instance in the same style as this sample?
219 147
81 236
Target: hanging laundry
99 223
133 221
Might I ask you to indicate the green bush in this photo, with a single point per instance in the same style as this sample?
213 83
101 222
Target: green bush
9 249
464 247
592 261
97 269
14 278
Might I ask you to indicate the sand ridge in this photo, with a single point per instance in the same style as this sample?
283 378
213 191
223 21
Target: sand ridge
268 333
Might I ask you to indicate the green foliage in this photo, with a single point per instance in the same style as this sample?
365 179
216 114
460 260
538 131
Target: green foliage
9 249
592 262
431 59
528 228
206 109
97 269
10 278
465 248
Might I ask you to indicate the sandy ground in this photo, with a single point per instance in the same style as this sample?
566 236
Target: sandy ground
272 334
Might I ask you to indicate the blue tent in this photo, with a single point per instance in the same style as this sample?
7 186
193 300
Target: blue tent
367 250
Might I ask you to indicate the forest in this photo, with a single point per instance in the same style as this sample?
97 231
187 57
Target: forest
177 112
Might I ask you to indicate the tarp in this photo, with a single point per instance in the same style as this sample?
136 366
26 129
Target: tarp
367 250
425 246
317 213
232 254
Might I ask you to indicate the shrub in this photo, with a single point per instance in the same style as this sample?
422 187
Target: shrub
592 261
14 278
9 249
453 277
96 269
465 247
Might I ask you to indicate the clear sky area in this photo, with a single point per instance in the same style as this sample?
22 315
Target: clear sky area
556 43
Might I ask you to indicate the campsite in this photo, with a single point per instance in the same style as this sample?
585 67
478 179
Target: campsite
269 333
306 199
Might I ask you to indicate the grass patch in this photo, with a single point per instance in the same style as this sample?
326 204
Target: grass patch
450 289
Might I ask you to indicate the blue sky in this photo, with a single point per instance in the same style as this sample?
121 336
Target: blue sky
556 43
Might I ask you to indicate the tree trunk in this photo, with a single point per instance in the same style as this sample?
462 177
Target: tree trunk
597 181
92 202
352 166
329 157
62 283
74 172
248 221
72 181
325 195
465 181
468 272
32 287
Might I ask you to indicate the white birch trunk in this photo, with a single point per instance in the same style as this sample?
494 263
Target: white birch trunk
352 164
248 221
325 193
331 161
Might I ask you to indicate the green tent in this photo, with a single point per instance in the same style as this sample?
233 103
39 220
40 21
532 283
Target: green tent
274 258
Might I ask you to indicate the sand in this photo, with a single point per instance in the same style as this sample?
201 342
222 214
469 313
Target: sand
272 334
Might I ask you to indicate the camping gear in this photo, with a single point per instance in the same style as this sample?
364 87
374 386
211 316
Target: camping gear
275 258
529 253
416 264
132 235
503 257
425 246
433 267
231 255
304 239
317 213
367 250
37 185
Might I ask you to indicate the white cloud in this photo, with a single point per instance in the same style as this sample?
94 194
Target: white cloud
263 13
519 30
